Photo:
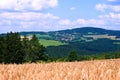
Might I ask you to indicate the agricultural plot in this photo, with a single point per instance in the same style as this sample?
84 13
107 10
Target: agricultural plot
43 36
50 42
86 70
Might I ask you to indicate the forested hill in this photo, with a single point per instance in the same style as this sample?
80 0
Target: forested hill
77 34
86 30
83 30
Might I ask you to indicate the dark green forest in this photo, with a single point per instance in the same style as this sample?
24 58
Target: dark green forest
85 48
13 49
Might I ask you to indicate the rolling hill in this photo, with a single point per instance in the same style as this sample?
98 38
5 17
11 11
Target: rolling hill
84 41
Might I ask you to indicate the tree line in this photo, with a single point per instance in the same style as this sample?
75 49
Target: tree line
74 56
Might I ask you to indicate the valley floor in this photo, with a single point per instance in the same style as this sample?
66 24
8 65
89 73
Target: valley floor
86 70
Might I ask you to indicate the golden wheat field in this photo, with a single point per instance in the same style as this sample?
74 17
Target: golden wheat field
86 70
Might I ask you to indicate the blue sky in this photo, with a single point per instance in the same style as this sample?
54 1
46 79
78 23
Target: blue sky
51 15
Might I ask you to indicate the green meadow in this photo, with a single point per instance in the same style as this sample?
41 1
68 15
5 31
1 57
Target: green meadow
47 43
43 35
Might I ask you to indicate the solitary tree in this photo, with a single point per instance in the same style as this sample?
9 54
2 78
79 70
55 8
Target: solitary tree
72 56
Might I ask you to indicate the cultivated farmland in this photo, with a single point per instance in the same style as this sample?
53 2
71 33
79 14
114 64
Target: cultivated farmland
85 70
47 43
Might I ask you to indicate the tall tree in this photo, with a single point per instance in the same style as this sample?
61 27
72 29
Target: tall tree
14 53
35 50
2 48
26 48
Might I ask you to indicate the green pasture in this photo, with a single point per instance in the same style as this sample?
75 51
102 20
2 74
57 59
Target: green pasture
47 43
43 35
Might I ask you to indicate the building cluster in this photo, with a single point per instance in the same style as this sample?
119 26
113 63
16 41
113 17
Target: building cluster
28 37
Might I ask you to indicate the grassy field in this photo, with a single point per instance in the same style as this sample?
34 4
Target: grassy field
45 36
117 43
86 70
50 42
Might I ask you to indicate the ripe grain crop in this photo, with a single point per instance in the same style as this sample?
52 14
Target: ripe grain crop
85 70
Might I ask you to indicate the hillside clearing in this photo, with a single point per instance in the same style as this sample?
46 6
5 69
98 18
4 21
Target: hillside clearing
43 36
86 70
47 43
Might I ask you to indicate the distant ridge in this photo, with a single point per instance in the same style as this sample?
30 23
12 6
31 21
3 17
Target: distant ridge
73 29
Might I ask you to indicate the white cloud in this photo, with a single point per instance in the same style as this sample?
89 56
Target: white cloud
81 22
65 22
26 16
27 21
90 22
27 4
108 21
103 7
115 8
72 8
112 19
111 15
112 0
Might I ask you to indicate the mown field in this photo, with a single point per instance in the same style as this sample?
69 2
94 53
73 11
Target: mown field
43 36
86 70
50 42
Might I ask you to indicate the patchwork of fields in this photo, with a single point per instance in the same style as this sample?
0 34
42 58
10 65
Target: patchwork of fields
86 70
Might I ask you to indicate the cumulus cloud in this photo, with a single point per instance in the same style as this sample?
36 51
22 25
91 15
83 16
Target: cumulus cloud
45 22
90 22
27 4
111 15
101 7
26 16
112 19
82 22
27 20
104 7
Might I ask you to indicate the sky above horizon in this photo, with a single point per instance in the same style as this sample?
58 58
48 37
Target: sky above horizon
51 15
